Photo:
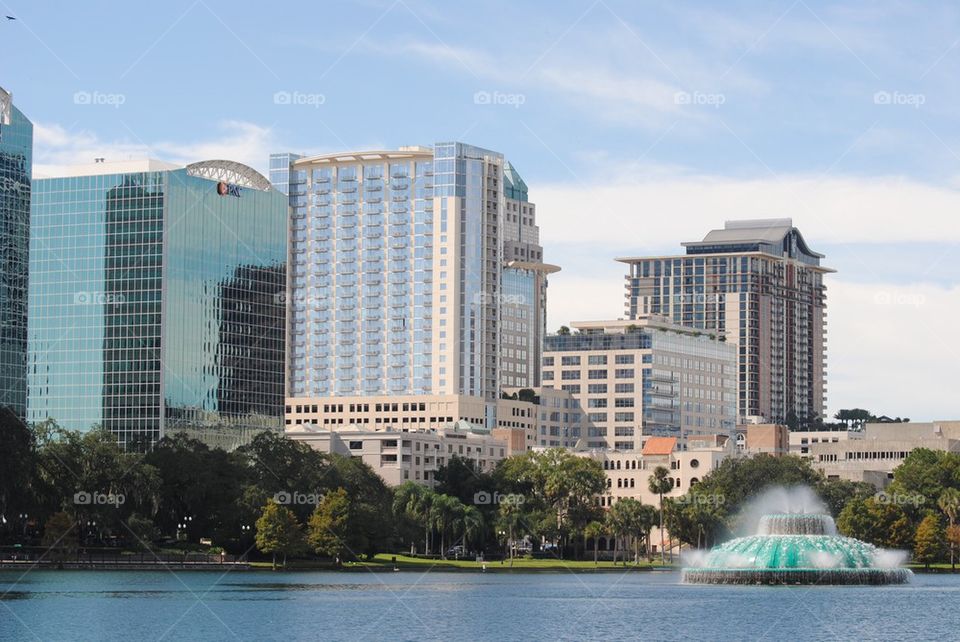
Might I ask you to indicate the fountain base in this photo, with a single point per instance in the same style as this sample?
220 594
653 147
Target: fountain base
798 576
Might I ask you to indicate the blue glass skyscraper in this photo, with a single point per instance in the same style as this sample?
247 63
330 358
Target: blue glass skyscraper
16 151
157 301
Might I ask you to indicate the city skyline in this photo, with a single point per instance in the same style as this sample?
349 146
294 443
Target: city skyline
684 137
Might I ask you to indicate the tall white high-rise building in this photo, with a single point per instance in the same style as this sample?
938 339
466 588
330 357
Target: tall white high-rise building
398 266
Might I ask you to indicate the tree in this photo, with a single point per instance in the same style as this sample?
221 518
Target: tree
17 446
446 512
929 541
563 331
142 532
57 538
953 539
511 522
327 529
416 503
594 531
949 503
472 524
278 531
659 484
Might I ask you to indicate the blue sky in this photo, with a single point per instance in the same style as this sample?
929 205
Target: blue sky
637 125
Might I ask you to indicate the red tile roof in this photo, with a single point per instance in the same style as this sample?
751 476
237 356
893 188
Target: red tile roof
659 445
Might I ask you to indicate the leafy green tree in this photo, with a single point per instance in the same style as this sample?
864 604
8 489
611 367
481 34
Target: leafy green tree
142 532
327 530
372 525
660 483
949 503
929 541
278 531
58 539
17 448
881 523
461 478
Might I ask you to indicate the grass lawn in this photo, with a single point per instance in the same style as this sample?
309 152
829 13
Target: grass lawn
383 562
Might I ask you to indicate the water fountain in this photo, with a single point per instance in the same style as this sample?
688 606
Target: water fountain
797 548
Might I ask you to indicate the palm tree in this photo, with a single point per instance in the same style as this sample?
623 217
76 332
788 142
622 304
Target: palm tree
949 503
594 531
659 484
446 511
471 522
510 521
416 502
646 520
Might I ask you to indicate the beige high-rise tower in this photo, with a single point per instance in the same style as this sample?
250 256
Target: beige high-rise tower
759 283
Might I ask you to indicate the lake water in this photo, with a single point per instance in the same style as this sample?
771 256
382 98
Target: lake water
461 607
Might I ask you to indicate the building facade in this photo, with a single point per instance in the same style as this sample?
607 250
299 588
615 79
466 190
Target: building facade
157 301
873 453
16 158
759 283
547 418
398 282
400 456
644 377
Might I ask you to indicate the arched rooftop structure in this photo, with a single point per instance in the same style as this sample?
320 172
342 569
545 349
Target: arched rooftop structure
230 172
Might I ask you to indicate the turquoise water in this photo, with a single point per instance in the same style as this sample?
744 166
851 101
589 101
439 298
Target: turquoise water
128 605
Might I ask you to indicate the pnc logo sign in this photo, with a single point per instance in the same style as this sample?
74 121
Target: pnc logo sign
226 189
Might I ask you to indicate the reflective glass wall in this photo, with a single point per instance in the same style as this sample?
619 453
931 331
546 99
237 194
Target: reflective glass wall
16 147
157 306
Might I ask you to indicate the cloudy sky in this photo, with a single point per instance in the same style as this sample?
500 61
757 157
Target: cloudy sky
637 125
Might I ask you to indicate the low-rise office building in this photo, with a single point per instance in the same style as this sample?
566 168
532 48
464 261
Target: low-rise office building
873 456
536 417
801 440
644 377
401 455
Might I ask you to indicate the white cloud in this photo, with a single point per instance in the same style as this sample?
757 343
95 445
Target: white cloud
661 209
55 148
891 349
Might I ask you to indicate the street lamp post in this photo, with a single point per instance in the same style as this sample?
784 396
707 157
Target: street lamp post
244 532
